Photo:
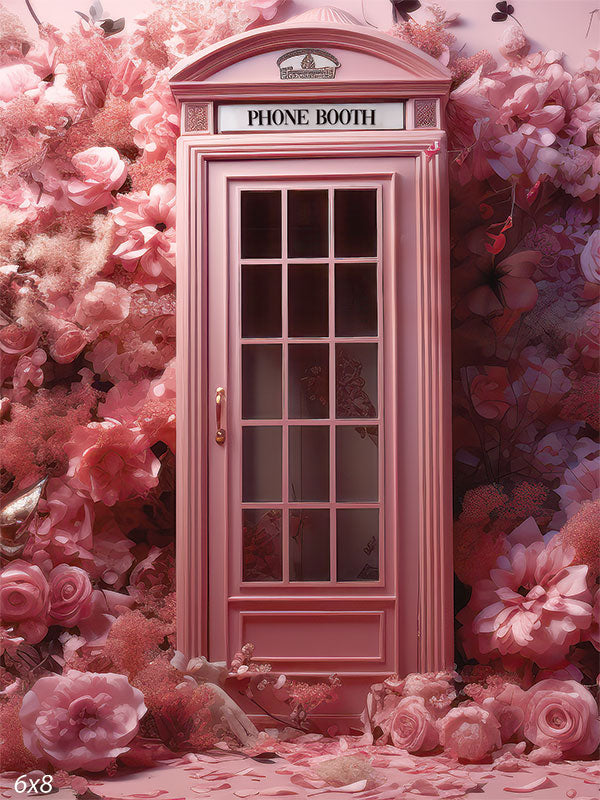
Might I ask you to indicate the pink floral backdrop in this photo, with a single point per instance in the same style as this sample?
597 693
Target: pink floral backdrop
90 679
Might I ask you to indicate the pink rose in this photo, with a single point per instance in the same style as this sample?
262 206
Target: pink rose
24 600
16 340
102 306
70 595
111 462
590 258
469 733
101 171
15 79
81 720
561 715
412 727
490 392
66 342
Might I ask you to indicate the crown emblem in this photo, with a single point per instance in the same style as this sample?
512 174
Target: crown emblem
307 63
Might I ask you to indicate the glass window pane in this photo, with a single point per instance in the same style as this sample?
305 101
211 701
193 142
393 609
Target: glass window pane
357 544
308 300
356 299
355 222
309 544
261 301
261 381
261 542
261 224
308 229
261 464
308 381
309 463
356 459
356 380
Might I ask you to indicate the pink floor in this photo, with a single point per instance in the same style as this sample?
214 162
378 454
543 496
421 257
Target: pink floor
394 776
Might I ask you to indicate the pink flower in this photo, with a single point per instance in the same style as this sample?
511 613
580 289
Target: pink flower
81 720
17 340
590 258
146 224
579 485
534 604
101 171
70 595
66 341
561 715
436 689
111 462
101 307
469 733
15 79
513 43
490 393
156 120
65 531
24 600
412 727
594 632
261 9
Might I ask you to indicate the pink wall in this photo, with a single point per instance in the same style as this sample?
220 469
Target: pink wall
550 24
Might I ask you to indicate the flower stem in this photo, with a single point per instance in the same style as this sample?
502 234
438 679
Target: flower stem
32 12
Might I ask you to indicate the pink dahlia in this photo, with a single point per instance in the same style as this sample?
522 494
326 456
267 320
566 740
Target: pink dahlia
533 604
146 225
81 720
469 733
111 462
24 600
100 172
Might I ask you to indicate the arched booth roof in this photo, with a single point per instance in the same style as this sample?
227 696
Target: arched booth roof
371 63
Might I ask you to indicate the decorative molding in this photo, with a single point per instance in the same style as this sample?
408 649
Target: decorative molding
426 113
196 117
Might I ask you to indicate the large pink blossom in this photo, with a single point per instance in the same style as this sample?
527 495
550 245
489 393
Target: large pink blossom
411 726
156 120
24 600
100 307
111 462
469 733
100 171
15 79
81 720
561 715
146 227
534 604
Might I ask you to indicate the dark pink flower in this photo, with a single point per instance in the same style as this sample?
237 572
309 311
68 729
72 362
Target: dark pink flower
70 595
81 720
490 392
24 600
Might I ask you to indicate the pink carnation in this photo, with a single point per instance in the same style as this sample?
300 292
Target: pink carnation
146 225
101 307
70 595
469 733
81 720
24 600
111 462
101 171
561 715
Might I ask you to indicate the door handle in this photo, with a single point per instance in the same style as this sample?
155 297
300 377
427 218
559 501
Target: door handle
219 398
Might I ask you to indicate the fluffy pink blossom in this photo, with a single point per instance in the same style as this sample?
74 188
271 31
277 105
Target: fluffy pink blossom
146 225
111 462
411 726
513 43
156 120
561 715
15 79
436 689
534 604
24 600
469 733
70 595
590 258
101 171
101 306
81 720
261 9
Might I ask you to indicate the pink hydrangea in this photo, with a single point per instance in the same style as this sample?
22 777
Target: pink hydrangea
24 600
534 604
563 716
101 306
81 720
111 462
101 171
469 733
70 595
146 226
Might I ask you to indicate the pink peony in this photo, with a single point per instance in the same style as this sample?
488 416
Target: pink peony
111 462
146 224
534 604
101 171
469 733
15 79
81 720
261 9
412 727
590 258
561 715
436 689
101 307
24 600
513 43
70 595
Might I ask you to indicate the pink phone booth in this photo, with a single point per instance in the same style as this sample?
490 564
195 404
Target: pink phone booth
313 452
